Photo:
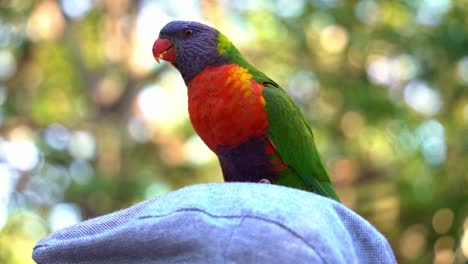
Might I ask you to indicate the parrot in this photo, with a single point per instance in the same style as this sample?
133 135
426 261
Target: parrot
250 123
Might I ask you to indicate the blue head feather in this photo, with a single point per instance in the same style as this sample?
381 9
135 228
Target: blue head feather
194 52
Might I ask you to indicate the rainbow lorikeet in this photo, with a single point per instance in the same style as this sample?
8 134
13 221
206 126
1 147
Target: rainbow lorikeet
242 115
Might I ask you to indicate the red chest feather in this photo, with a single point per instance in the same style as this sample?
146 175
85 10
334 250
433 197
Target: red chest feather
226 106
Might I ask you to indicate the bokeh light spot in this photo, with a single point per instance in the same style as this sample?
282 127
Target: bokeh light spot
197 152
431 136
368 12
303 86
422 98
163 107
82 145
407 143
444 256
334 38
81 171
464 241
7 64
57 174
57 136
32 225
434 150
8 180
379 70
320 20
108 90
156 189
462 70
63 215
3 215
352 124
46 21
430 128
430 12
154 103
22 154
413 241
444 242
139 130
76 8
391 71
345 171
442 220
287 8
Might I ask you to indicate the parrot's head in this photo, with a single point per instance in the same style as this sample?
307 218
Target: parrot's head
189 46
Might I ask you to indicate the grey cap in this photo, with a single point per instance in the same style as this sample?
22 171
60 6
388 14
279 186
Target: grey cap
222 223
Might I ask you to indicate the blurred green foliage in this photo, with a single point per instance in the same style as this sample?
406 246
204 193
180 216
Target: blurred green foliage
89 123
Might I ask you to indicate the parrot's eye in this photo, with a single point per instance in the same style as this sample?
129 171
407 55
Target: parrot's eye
188 33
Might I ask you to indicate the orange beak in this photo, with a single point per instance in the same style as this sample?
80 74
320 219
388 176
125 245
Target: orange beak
164 49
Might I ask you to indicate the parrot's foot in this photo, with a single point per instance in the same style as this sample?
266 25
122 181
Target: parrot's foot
264 181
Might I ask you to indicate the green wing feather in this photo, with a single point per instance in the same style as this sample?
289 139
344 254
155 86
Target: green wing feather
289 131
294 141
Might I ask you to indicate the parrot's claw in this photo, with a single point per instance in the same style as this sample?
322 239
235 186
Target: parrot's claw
265 181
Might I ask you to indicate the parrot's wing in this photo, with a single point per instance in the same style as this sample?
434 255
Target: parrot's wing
294 141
